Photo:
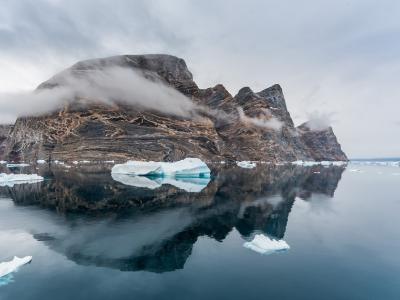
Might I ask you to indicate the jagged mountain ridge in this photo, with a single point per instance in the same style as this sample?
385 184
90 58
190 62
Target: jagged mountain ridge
253 126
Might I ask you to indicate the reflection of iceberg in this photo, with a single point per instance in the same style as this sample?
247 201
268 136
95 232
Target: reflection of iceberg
6 280
246 164
11 266
11 179
188 167
265 245
190 184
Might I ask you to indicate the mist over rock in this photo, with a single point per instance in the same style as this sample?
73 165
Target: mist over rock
147 107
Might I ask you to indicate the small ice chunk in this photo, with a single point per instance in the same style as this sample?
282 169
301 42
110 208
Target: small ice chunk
246 164
266 245
17 165
305 163
9 267
188 167
41 161
11 179
75 162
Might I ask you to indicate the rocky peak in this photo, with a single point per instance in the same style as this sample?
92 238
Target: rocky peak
321 143
216 97
168 68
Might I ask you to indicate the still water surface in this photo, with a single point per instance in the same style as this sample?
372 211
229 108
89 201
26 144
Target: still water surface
93 237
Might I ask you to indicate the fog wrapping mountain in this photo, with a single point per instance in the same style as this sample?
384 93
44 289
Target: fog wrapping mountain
159 113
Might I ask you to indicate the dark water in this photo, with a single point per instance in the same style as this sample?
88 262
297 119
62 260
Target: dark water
92 237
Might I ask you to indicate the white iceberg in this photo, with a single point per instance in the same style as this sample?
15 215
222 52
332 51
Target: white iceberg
192 185
9 267
246 164
306 163
11 179
188 167
266 245
17 165
41 161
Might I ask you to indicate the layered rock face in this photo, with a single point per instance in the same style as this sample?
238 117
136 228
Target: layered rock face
248 126
321 143
4 134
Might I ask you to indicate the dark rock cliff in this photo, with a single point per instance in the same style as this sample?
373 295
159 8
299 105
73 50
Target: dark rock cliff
4 134
248 126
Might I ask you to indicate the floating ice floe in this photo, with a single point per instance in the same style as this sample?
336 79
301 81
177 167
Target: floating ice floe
11 179
356 170
41 161
17 165
9 267
266 245
377 163
246 164
192 185
188 167
315 163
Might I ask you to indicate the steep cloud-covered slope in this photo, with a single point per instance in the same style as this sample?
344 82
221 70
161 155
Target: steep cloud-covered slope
149 107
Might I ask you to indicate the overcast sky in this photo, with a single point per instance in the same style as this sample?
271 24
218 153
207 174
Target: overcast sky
335 59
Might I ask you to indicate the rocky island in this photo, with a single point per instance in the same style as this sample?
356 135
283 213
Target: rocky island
151 124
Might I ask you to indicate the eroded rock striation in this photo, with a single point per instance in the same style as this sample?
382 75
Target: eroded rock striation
248 126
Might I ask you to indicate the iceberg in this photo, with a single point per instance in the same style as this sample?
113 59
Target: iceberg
191 185
266 245
41 161
246 164
11 179
188 167
9 267
306 163
17 165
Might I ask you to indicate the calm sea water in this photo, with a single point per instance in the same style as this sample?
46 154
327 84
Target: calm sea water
93 237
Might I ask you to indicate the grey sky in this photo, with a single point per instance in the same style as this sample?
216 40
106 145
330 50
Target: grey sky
334 59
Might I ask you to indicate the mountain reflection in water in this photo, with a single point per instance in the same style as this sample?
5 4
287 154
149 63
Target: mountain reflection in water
111 224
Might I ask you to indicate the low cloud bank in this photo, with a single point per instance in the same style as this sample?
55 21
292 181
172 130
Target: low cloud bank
320 120
270 123
106 86
110 86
